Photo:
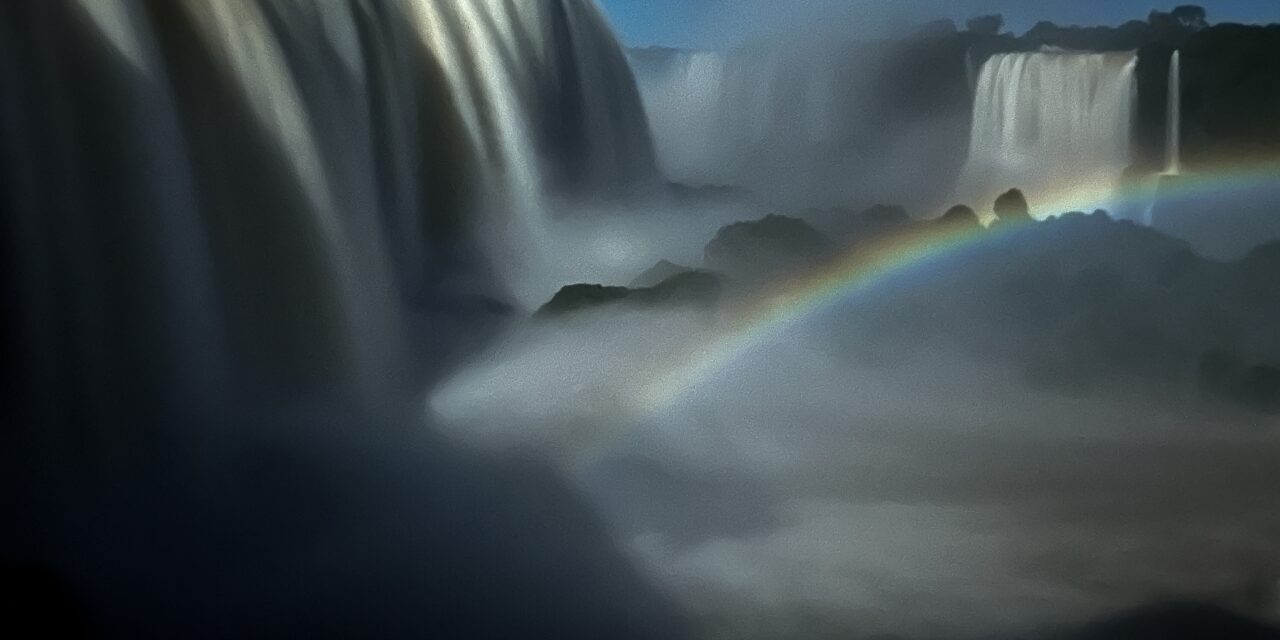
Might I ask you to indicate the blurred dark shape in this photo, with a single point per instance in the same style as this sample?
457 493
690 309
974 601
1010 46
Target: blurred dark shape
1228 377
1011 207
576 297
35 601
1176 621
852 227
1184 17
769 247
1259 288
960 217
342 535
1165 23
1191 16
986 25
688 289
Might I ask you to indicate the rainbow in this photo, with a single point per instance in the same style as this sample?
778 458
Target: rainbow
769 317
1139 195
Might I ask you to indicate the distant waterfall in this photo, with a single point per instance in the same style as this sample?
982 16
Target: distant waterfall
683 99
235 198
726 117
1173 123
1056 124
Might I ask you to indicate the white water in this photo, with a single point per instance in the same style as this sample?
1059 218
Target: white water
1055 124
1173 133
285 178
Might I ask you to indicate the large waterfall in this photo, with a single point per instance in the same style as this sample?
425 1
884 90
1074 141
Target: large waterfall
1056 124
213 200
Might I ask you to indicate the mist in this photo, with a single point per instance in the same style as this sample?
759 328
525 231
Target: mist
809 106
923 485
609 242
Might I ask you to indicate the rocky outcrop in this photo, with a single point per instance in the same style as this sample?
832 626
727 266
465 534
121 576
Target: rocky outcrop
766 248
688 289
1012 208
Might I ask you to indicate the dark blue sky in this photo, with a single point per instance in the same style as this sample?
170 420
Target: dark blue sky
715 23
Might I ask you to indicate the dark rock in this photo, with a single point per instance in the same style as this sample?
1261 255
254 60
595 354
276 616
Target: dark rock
576 297
1012 207
765 248
959 217
694 289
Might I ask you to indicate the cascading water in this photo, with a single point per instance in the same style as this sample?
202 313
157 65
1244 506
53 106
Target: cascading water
682 97
216 202
1161 206
729 118
808 123
1053 123
1173 123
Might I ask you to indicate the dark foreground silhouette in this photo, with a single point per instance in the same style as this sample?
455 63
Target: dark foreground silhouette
348 534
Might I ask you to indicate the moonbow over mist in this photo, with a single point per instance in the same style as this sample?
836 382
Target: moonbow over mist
465 319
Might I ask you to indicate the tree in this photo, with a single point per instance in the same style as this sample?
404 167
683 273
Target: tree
987 25
1191 16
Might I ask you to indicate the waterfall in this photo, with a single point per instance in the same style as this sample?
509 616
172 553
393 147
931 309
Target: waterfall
1161 207
216 202
682 97
1173 123
1054 123
733 117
